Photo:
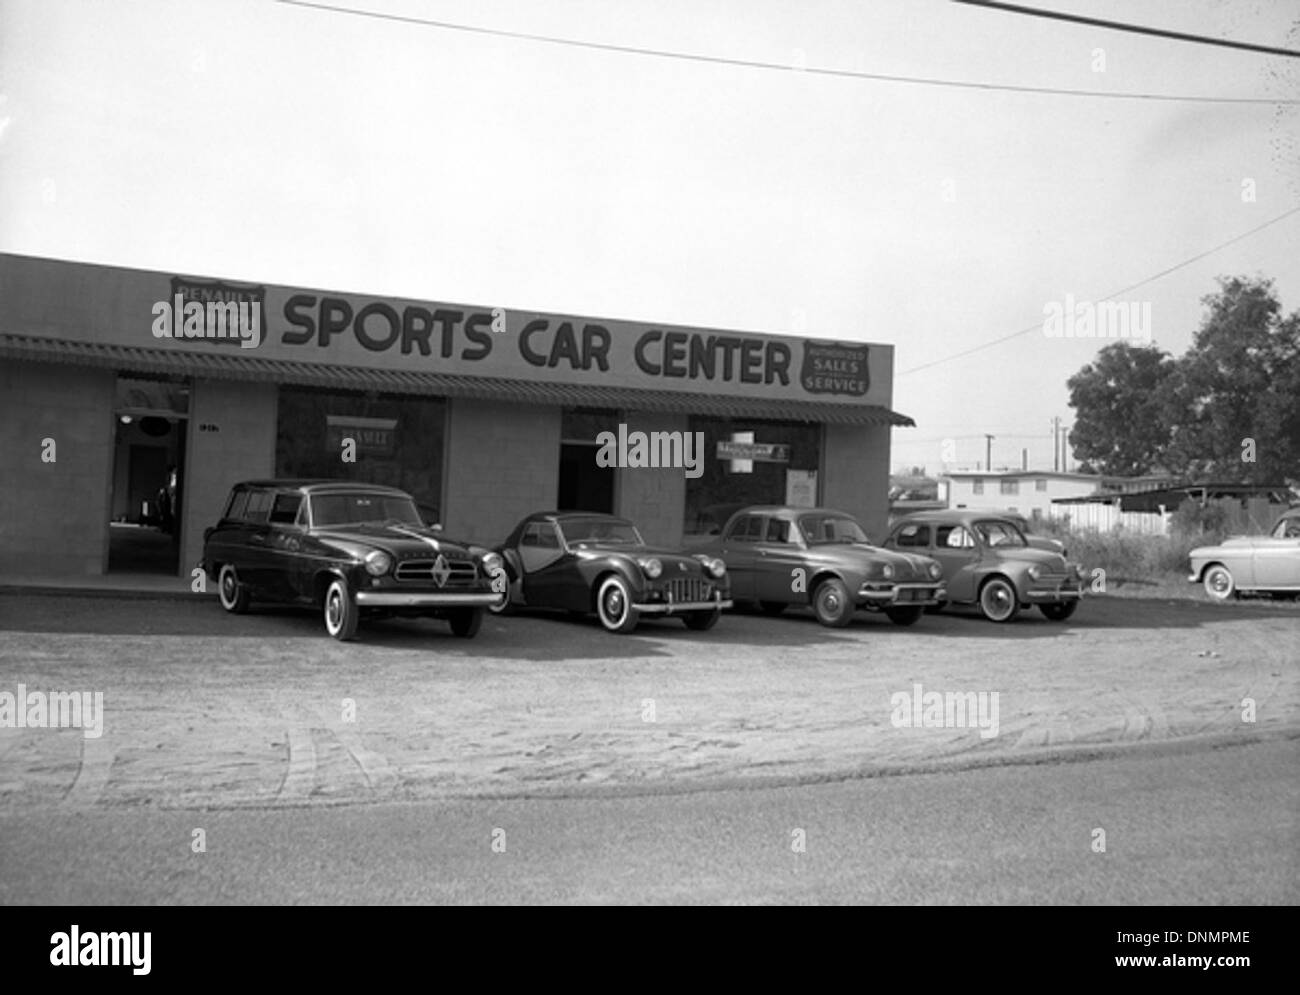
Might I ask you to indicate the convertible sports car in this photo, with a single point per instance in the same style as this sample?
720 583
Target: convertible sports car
585 562
348 549
987 561
780 556
1268 563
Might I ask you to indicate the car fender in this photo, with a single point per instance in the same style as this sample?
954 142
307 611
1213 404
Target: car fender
626 568
327 575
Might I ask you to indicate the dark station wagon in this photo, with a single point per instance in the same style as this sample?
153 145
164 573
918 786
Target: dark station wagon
350 550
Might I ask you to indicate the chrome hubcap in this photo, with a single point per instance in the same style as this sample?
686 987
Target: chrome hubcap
334 609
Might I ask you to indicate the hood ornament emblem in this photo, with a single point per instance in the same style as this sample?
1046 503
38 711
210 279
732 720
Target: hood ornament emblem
440 570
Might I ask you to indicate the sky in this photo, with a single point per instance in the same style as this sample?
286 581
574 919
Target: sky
271 142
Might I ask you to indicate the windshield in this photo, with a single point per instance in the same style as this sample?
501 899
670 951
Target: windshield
352 509
605 531
1000 534
819 529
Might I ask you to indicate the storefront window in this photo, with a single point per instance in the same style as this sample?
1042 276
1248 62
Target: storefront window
391 439
783 470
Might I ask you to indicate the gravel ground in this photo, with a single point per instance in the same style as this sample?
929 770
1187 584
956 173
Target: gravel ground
207 710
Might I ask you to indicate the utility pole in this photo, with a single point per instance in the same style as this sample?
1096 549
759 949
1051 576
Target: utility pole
988 451
1056 444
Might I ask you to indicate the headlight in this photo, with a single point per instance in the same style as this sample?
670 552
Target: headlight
936 571
1035 571
492 563
651 567
716 568
887 571
378 562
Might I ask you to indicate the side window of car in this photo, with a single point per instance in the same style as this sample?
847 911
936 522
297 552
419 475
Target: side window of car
284 511
547 537
531 535
739 531
259 506
778 530
913 535
238 504
953 537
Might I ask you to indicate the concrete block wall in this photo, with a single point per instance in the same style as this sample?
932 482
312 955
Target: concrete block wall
54 516
242 447
654 497
502 461
855 474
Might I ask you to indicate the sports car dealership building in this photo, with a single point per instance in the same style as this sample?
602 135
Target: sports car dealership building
132 400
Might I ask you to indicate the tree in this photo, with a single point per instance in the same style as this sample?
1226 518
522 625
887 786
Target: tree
1119 401
1233 402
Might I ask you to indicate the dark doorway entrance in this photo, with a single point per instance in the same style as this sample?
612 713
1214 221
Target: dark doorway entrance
584 486
150 420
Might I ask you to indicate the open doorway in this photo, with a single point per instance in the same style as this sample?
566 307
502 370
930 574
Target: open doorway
150 417
585 486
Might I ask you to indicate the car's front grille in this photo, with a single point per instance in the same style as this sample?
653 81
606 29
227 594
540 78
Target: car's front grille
455 573
690 589
1050 580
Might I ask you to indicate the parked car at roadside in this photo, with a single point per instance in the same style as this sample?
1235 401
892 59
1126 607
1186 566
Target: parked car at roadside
780 556
987 561
1259 564
584 562
353 551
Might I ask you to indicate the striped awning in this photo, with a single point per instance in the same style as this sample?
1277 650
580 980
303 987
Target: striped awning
238 365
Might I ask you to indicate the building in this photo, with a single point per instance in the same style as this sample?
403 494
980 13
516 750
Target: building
1027 492
132 400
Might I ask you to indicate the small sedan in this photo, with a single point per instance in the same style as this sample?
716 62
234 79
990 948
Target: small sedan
1263 564
349 550
781 556
585 562
987 561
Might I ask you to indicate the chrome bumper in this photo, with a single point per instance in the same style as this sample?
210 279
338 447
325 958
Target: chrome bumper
414 599
1039 595
887 594
668 607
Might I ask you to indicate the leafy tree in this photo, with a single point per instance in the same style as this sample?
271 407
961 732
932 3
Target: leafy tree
1119 403
1233 402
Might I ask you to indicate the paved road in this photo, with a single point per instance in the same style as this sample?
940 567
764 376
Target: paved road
1193 826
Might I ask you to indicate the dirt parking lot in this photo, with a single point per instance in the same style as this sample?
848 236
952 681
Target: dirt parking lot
202 709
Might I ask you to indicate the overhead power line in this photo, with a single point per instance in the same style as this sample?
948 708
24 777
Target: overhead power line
1139 29
1038 327
780 67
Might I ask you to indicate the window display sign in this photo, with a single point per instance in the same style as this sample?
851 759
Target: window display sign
760 452
801 488
373 436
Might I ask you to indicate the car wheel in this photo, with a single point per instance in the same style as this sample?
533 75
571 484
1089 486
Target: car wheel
234 595
832 604
773 608
998 600
702 620
1219 583
614 605
906 615
1059 612
465 622
341 612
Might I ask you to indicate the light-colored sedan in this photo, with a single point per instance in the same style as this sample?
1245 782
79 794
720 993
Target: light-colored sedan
1264 564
